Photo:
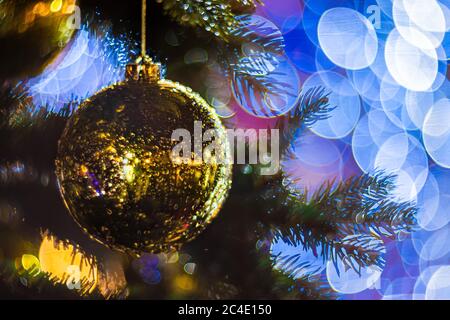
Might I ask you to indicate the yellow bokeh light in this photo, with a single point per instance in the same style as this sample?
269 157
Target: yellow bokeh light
184 283
67 265
128 172
56 5
69 7
38 7
41 8
172 257
31 264
29 18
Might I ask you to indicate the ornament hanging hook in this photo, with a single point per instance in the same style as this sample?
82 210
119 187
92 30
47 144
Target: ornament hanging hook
143 68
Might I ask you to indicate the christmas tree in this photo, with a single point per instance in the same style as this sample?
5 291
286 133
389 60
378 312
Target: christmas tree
341 222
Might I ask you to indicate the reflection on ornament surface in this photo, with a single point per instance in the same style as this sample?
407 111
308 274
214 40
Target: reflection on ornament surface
116 174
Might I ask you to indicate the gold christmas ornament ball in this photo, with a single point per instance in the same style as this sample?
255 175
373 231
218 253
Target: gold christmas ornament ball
117 173
33 33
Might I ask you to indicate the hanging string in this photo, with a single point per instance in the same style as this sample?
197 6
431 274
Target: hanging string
144 29
143 68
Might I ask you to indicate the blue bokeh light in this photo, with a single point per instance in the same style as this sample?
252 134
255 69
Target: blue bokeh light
94 60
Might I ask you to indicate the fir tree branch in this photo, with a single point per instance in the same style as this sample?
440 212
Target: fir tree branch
346 221
215 16
358 251
265 46
313 106
42 286
12 100
233 28
289 286
364 204
312 288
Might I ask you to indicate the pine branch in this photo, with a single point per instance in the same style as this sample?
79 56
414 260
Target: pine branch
264 46
253 69
234 29
215 16
293 265
245 6
313 288
12 99
313 106
34 282
261 86
26 285
355 251
346 221
358 251
364 205
31 282
41 286
287 286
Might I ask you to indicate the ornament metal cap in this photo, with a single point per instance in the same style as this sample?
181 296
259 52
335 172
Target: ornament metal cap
144 69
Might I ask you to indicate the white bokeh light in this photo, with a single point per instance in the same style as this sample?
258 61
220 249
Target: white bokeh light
436 132
348 39
412 67
438 288
413 20
348 281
